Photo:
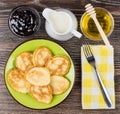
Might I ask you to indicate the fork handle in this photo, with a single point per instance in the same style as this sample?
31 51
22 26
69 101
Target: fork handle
103 89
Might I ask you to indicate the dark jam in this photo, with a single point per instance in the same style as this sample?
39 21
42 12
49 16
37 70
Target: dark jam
24 21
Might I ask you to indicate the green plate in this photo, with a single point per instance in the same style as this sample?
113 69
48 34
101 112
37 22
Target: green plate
26 99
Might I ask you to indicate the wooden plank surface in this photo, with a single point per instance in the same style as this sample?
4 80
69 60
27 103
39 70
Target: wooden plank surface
8 41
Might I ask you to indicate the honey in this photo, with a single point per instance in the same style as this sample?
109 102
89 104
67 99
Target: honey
89 28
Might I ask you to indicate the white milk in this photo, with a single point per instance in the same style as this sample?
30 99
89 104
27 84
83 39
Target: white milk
61 22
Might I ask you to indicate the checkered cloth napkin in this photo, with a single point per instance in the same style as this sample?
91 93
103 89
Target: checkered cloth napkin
92 97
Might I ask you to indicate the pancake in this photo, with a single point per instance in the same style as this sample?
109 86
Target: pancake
59 84
38 76
41 55
58 65
17 81
42 93
24 61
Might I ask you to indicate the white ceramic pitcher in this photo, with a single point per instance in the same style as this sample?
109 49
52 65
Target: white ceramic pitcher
61 24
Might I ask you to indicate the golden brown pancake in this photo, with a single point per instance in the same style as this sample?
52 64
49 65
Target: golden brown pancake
17 81
42 93
59 84
58 65
24 61
41 55
38 76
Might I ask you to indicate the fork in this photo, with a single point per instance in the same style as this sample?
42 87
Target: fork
91 60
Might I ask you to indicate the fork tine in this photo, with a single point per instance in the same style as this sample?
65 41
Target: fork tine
87 50
90 50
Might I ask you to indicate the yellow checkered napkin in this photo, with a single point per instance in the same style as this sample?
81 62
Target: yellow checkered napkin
92 97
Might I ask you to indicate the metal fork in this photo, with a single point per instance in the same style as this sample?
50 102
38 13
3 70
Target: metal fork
91 60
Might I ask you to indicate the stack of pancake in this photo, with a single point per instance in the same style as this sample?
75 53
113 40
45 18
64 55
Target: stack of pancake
41 74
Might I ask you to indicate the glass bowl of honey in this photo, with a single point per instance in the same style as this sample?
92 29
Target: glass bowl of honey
89 28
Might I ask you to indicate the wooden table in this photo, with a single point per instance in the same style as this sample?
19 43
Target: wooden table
8 41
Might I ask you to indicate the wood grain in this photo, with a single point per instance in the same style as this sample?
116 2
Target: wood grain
8 41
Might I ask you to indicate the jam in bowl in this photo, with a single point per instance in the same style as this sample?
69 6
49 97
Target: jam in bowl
24 21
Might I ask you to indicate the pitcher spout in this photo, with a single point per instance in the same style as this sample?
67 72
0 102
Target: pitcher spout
46 13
